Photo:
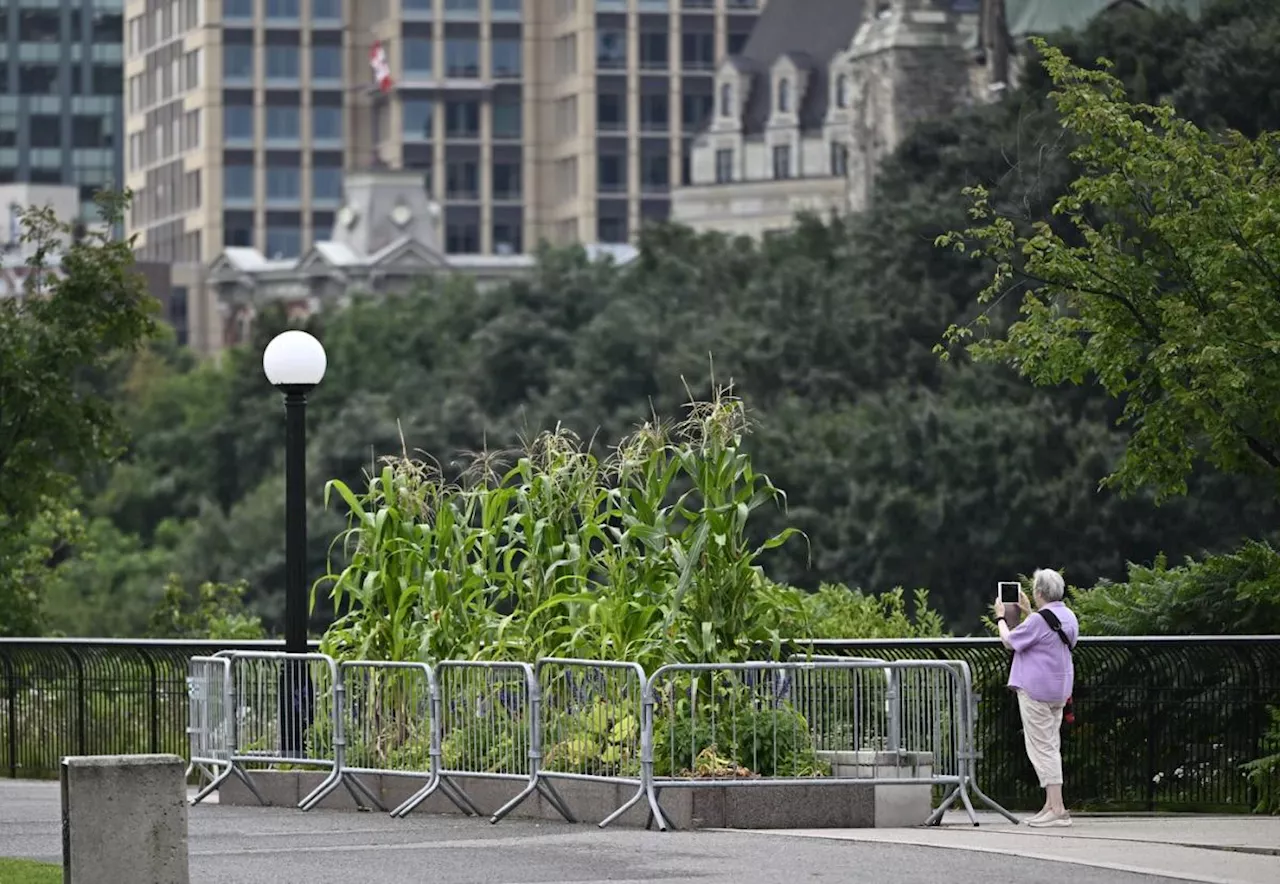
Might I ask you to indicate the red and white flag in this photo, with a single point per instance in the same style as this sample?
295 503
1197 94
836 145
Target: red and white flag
381 67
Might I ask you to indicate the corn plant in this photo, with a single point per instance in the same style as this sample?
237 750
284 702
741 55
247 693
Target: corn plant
642 555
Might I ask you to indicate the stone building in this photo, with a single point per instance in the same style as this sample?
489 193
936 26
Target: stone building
824 89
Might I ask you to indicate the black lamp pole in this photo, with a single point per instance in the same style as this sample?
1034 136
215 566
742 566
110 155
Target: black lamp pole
297 691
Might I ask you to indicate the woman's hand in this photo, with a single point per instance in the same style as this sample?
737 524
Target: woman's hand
998 609
1024 604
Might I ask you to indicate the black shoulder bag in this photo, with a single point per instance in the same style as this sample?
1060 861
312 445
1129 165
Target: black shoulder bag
1068 709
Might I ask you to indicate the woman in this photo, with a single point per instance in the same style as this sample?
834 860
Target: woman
1043 677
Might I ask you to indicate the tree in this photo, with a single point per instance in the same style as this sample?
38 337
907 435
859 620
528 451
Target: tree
57 341
1162 283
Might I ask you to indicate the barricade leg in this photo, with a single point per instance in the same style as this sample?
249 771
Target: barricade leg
455 795
322 791
214 785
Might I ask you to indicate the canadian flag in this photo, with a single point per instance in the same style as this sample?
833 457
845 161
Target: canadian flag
381 68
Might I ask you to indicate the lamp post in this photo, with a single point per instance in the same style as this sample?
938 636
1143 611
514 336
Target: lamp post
294 362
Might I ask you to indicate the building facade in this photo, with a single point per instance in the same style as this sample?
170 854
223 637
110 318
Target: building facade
61 116
526 120
817 98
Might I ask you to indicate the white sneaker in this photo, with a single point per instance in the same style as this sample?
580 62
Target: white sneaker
1039 815
1051 821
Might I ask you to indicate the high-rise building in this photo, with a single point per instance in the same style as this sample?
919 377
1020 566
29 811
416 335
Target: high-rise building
60 95
563 120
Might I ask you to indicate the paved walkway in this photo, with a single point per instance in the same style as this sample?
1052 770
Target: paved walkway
1217 850
249 845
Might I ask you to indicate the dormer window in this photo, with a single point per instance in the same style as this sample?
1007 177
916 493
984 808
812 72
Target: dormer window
784 96
842 90
726 100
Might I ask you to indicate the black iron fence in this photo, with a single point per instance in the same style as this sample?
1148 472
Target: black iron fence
1162 723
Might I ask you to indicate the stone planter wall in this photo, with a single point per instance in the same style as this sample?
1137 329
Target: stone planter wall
799 805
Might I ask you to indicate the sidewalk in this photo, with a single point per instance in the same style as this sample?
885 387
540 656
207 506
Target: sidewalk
1216 850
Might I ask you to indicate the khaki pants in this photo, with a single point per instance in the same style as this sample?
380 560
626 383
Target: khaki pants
1041 725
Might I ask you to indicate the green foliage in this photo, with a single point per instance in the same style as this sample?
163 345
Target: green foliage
1233 593
734 739
72 323
1264 772
1163 288
215 611
601 739
641 557
838 612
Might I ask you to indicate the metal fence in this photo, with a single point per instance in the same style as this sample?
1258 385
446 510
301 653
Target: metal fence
1162 723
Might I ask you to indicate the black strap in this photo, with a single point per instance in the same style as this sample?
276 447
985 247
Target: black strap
1056 625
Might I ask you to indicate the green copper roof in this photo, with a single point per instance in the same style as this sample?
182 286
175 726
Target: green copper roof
1026 17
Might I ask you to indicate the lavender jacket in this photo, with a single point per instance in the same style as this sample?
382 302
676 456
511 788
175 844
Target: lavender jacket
1041 662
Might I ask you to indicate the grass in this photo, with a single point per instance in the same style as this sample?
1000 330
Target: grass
24 871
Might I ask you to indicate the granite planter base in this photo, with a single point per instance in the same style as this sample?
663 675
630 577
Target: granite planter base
800 805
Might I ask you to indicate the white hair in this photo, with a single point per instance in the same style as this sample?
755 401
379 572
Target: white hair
1049 585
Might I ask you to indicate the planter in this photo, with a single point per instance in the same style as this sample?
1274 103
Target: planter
791 805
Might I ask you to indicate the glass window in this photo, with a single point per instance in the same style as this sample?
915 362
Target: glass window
506 181
507 117
655 171
462 238
326 62
237 122
418 118
694 110
784 96
326 122
506 8
842 90
507 239
655 112
653 49
283 183
462 5
237 61
724 165
735 42
282 8
39 25
612 172
326 182
284 242
611 111
782 161
462 57
283 124
326 9
419 55
462 180
698 51
839 159
237 182
611 48
237 8
282 62
506 58
418 5
726 99
611 229
462 118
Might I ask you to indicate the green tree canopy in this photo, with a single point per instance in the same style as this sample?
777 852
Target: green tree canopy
1163 286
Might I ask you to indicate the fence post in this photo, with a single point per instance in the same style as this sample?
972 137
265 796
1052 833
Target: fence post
153 701
11 701
82 742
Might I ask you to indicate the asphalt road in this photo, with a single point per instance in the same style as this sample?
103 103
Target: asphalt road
239 845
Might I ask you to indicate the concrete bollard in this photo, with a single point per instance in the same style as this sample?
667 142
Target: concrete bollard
124 818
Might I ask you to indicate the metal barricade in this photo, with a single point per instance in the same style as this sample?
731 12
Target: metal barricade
388 715
594 725
209 726
488 725
823 721
285 713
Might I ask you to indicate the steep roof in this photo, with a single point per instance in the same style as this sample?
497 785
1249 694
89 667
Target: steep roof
813 30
